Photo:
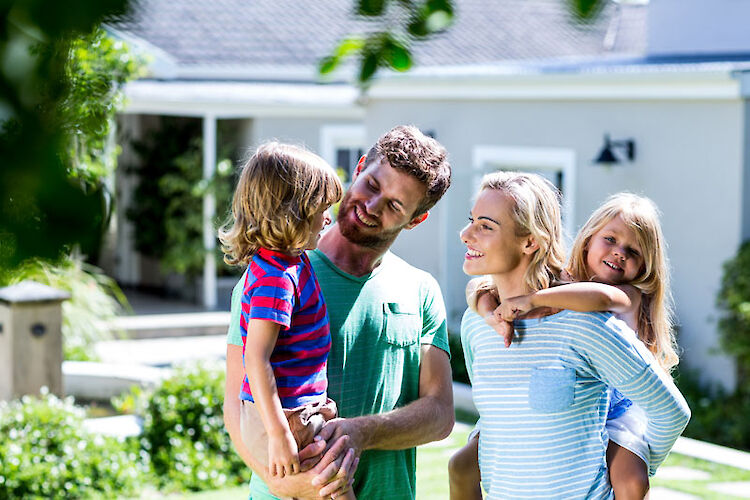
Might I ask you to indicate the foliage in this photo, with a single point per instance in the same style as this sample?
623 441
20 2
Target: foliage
98 67
45 452
458 363
718 416
168 201
734 299
44 212
94 299
183 431
398 24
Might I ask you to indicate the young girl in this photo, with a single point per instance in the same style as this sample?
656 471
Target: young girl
620 264
279 208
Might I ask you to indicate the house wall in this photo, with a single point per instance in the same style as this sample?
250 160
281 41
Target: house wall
689 160
300 131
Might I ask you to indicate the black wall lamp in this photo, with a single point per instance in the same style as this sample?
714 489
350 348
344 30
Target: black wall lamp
607 157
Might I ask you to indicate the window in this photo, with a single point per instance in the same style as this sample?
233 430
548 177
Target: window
342 146
554 164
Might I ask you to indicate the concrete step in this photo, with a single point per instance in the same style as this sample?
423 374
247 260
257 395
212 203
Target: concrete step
148 326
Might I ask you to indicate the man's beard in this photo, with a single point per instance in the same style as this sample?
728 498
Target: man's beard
352 232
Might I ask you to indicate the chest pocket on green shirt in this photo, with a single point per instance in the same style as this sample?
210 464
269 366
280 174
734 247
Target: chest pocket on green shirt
402 324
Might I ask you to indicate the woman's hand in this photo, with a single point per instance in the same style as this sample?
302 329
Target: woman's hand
283 459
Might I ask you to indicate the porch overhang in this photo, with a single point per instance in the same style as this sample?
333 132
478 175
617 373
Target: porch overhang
224 99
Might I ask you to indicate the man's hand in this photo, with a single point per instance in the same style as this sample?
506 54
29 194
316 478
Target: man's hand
333 461
337 427
337 482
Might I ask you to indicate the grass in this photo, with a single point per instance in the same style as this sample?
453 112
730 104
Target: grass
700 487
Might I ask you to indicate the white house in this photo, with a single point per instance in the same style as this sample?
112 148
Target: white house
512 85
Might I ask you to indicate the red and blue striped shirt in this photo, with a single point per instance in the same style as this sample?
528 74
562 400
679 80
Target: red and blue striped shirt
283 289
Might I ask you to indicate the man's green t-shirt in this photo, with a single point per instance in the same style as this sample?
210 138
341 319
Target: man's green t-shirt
378 323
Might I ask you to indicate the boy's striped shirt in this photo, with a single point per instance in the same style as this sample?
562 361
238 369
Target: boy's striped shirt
543 402
283 289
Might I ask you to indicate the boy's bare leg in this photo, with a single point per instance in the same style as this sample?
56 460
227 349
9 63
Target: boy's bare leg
463 472
628 474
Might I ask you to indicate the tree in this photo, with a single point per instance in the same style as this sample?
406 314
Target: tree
55 103
401 23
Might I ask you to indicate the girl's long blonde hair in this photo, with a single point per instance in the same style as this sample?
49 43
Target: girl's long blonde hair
655 317
280 190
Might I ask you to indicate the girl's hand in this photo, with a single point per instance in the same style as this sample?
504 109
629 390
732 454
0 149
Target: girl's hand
503 328
514 307
283 459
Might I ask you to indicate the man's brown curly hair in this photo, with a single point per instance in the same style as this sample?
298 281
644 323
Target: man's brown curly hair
407 149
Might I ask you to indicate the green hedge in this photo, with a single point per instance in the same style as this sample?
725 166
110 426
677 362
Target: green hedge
183 431
45 452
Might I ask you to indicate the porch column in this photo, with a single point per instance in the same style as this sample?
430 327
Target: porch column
209 212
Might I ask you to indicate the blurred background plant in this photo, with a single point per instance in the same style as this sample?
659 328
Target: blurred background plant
720 416
95 300
46 452
168 198
734 325
59 88
183 430
397 25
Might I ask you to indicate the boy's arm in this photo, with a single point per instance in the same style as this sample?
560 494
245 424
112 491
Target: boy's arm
333 464
259 344
583 297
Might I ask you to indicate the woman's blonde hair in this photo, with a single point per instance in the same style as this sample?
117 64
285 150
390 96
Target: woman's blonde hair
536 213
655 317
280 189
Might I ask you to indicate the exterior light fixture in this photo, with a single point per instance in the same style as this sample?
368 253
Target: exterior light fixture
607 157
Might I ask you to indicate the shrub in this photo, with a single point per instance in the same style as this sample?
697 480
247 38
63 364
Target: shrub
458 363
718 416
45 452
183 431
734 299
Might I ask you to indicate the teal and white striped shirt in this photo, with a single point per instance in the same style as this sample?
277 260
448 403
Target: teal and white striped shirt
543 402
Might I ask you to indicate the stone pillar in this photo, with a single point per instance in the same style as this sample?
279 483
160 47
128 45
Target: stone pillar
30 339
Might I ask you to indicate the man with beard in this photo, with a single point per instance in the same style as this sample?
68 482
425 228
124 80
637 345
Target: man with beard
388 369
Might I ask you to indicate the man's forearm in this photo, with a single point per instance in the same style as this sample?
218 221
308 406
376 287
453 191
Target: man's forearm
422 421
232 424
428 418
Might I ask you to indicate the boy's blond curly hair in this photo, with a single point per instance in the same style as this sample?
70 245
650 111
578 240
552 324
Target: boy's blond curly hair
280 190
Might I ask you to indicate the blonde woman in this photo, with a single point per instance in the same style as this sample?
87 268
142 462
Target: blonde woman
543 401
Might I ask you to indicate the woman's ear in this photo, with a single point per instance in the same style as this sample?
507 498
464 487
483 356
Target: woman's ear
530 245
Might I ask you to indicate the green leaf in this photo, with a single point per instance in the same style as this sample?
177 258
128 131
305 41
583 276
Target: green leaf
370 63
397 55
328 64
349 46
585 10
438 21
370 7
